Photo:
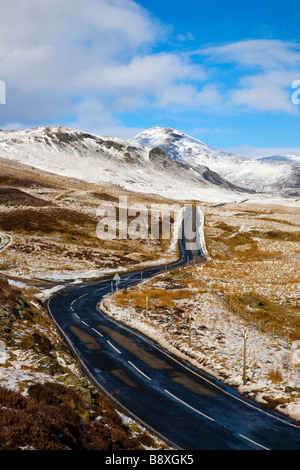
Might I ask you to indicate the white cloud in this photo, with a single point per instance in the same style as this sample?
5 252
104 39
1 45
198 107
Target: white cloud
58 58
251 151
87 61
261 53
270 91
74 22
13 125
264 71
142 74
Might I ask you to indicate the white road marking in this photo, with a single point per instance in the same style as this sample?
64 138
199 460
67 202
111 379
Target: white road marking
114 347
142 373
85 323
84 295
253 442
98 332
202 378
189 406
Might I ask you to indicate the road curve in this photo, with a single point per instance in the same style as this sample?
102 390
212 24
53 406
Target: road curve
182 404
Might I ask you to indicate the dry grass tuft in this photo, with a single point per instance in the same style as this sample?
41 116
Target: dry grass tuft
275 375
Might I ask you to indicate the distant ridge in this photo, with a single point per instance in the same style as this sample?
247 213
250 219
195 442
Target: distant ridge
277 175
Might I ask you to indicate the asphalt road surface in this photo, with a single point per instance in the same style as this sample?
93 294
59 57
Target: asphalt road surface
185 406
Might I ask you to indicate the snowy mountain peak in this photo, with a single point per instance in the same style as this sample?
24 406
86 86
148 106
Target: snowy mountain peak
261 175
161 161
180 146
163 136
109 160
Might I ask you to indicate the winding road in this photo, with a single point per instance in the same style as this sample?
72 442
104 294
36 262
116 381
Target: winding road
184 406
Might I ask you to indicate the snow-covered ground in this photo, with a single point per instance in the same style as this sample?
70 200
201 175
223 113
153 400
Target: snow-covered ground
20 368
218 330
217 347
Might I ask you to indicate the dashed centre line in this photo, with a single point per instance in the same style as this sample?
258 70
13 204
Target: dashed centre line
136 368
98 332
113 347
148 378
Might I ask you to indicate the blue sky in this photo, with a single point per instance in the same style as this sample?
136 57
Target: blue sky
220 71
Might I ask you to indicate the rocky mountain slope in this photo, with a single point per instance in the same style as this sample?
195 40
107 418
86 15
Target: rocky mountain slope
110 160
279 175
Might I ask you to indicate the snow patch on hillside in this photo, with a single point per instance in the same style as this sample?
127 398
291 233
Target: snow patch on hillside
262 175
103 159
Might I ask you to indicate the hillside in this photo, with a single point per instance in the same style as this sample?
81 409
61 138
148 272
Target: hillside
52 224
108 160
277 176
47 238
46 402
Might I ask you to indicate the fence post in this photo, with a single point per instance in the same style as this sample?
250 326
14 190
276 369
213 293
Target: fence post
244 358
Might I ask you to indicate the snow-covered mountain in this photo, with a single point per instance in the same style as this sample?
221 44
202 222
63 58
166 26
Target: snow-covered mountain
160 161
110 160
277 175
282 158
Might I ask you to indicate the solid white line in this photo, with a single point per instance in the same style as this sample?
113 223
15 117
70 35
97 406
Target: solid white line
76 315
177 360
189 406
98 332
129 362
114 347
253 442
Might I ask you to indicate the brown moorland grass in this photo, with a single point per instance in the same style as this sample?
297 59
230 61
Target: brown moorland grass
54 417
255 263
48 220
254 279
53 224
157 297
15 197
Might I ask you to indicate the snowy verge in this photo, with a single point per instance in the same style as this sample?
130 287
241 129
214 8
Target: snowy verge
217 349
